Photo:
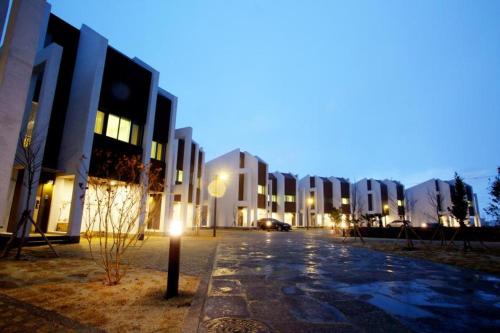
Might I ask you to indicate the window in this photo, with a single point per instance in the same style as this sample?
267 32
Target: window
370 202
124 132
153 149
261 189
118 128
134 138
274 198
179 176
369 185
289 198
113 126
157 150
99 122
345 201
400 203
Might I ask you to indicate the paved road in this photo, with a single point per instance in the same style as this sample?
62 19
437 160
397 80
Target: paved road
304 282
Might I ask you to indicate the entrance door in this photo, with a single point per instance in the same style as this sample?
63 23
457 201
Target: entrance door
241 216
154 211
44 192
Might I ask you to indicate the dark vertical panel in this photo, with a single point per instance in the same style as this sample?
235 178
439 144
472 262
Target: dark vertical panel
180 155
262 173
241 186
370 202
242 160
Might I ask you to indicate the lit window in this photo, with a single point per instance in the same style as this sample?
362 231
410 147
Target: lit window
134 139
153 149
159 151
345 201
261 189
113 125
124 132
290 198
400 203
99 122
274 198
179 176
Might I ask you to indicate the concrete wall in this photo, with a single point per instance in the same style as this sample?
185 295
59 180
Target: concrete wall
27 23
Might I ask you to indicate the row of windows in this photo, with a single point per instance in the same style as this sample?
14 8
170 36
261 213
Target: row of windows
117 128
157 151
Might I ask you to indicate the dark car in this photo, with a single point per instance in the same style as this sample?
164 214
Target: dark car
273 224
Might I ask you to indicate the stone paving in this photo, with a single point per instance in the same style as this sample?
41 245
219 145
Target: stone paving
304 282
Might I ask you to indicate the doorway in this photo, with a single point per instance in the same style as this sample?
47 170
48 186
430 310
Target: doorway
154 210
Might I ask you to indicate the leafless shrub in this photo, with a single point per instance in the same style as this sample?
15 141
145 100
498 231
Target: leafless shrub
114 206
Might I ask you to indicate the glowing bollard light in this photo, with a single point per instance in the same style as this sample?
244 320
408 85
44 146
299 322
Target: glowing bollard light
174 255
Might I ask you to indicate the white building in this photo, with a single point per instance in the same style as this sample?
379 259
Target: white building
244 179
430 201
75 96
370 198
341 196
283 199
394 206
187 177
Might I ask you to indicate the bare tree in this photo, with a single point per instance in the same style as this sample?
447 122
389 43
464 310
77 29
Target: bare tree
28 158
114 205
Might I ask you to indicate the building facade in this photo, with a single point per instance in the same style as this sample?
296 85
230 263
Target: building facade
430 202
282 197
240 181
187 177
86 105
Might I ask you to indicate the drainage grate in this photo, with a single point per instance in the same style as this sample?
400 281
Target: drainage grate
235 325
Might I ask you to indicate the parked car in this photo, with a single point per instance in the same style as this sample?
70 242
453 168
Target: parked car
430 225
397 223
273 224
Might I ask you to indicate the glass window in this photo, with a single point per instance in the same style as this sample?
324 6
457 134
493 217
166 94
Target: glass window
290 198
134 138
261 189
345 201
153 149
274 198
159 151
113 125
124 132
99 122
179 176
400 203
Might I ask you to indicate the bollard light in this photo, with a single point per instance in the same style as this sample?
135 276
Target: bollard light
174 255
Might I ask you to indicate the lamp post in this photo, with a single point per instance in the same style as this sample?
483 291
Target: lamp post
174 254
310 201
217 192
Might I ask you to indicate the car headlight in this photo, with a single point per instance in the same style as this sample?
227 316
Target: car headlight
268 223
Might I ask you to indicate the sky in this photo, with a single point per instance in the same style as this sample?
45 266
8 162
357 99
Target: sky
404 90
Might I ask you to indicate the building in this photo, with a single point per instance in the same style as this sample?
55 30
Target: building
430 201
341 196
187 177
283 199
370 199
242 178
395 209
85 106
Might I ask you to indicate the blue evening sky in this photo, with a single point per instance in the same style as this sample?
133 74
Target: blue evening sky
407 90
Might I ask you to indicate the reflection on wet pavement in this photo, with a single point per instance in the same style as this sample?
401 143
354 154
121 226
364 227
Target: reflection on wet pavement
316 284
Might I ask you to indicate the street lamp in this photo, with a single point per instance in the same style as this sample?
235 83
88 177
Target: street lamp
174 254
217 190
310 202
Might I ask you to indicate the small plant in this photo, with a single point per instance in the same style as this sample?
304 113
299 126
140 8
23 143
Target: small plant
115 203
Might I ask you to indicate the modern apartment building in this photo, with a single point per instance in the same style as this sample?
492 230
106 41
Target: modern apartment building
370 199
341 196
283 199
244 178
430 201
315 200
187 177
85 105
395 209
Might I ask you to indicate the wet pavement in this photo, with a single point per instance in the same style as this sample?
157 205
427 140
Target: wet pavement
305 282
